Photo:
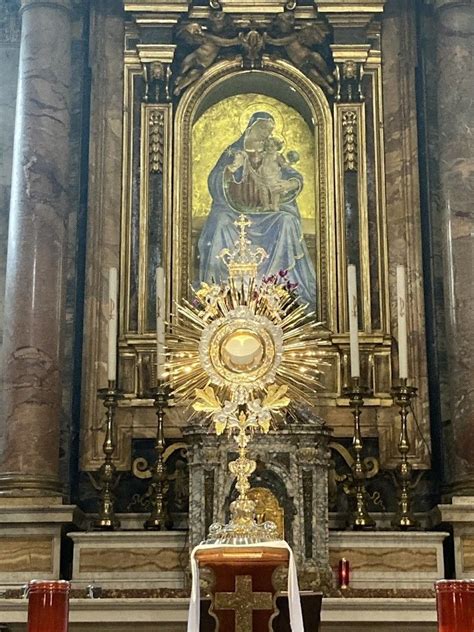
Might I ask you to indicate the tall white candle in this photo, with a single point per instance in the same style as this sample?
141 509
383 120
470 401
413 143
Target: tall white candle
353 320
402 323
160 323
112 328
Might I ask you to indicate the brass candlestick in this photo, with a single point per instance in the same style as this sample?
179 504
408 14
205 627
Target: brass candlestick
404 519
360 518
107 519
159 518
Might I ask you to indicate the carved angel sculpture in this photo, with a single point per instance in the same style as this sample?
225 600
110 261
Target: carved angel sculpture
208 43
298 46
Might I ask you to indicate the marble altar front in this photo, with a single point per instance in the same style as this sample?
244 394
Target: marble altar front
293 465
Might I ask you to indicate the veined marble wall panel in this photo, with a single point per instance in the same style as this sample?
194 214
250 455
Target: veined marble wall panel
104 204
75 240
28 554
403 205
130 559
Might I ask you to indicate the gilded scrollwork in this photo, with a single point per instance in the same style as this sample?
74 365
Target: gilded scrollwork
371 463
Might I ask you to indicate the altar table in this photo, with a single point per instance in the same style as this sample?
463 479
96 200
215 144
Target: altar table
243 595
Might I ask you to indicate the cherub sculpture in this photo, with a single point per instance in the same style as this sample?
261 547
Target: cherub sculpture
207 43
298 46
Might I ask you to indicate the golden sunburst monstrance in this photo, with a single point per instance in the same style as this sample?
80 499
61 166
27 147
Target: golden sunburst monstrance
243 352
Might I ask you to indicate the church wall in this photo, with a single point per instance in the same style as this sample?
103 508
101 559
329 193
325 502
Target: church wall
427 87
104 200
402 185
76 244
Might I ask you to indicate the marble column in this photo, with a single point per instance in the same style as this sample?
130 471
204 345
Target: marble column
455 68
33 319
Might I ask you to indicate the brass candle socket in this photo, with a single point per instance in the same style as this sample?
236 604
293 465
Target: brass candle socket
360 518
404 519
107 478
159 519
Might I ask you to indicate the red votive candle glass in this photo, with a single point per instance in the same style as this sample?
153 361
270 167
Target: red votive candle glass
455 605
344 573
48 606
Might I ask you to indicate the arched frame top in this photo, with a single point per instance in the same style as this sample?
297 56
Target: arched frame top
310 100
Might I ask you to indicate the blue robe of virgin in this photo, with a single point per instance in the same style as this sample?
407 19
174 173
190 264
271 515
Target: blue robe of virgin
279 232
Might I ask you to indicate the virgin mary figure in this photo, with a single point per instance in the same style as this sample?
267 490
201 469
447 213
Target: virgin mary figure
252 177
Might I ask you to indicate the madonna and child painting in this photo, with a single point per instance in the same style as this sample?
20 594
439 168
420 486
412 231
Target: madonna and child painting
254 176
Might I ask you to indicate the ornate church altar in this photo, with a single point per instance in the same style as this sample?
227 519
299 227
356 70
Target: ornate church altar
194 84
300 115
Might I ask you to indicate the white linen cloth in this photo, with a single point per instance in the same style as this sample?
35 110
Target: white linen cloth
294 604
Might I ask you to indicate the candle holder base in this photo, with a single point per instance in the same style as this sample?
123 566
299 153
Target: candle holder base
405 523
106 524
363 522
360 520
404 519
107 475
159 519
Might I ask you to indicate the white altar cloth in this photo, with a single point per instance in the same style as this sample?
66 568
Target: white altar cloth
294 603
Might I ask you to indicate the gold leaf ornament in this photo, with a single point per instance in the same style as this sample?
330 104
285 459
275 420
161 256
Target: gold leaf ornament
264 424
206 400
221 425
276 397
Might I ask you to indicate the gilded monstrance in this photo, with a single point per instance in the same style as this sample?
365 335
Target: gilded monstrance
243 353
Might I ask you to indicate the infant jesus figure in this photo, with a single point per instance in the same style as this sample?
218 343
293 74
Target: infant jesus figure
272 185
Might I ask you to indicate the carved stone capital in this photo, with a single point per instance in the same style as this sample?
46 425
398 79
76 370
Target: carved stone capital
307 454
456 16
59 5
350 13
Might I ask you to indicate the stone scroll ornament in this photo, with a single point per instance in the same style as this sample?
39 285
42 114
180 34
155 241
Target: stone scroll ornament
241 354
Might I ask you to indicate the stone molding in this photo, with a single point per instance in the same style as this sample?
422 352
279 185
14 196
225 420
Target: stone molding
440 5
59 5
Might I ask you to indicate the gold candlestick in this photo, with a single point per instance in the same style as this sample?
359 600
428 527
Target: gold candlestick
404 519
159 519
107 519
360 518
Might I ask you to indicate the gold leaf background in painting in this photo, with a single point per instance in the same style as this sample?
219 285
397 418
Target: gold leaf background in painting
223 123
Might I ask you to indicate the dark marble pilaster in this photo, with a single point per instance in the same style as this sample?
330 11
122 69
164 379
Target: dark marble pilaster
34 319
455 52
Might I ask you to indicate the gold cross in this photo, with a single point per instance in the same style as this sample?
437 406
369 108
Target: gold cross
242 223
243 601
